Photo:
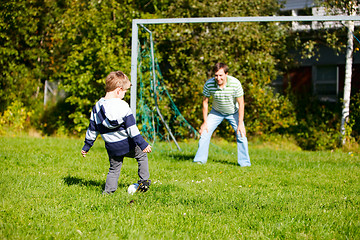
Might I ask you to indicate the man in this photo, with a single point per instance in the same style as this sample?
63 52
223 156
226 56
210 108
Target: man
228 103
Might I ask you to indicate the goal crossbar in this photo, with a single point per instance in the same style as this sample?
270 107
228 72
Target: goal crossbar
137 22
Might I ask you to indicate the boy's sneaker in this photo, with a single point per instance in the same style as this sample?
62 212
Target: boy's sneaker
143 185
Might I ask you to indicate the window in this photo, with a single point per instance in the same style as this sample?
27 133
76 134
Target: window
326 82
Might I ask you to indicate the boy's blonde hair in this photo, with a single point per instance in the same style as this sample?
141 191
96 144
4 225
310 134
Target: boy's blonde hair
115 80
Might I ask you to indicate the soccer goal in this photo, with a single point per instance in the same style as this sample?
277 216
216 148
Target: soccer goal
155 73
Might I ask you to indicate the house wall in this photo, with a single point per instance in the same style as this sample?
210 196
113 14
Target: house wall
302 81
309 8
299 79
324 74
296 4
355 79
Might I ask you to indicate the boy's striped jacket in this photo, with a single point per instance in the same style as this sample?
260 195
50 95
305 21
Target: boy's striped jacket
113 119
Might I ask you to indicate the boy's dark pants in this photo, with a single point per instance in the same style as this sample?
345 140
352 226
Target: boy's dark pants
115 167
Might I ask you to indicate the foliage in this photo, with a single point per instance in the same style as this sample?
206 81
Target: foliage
310 42
23 59
252 50
355 115
94 39
79 42
48 191
318 123
336 7
318 128
75 42
15 118
55 120
269 112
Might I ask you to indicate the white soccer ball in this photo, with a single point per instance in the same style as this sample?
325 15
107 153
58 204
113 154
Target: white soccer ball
132 188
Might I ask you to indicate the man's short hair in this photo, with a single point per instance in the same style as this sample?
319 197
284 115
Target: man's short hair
115 80
219 66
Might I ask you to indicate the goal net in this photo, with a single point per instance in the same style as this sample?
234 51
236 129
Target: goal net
156 108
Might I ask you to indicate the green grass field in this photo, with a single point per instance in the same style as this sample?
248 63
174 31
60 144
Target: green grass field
48 191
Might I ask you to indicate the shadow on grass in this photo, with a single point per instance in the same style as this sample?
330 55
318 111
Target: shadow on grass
225 162
182 157
70 180
190 157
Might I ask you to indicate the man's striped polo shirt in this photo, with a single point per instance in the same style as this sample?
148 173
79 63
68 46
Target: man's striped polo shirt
224 100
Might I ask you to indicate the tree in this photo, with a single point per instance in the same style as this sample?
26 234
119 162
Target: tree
350 8
23 55
94 39
254 52
348 74
75 42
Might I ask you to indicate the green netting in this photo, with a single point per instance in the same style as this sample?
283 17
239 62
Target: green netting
158 116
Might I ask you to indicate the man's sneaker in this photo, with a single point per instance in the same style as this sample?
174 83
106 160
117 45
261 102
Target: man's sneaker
143 185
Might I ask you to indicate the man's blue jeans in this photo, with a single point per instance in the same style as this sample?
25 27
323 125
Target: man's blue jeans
213 120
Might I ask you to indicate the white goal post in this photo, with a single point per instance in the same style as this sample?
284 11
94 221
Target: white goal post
137 22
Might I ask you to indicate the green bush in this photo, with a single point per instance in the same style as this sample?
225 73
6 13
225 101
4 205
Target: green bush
268 112
55 119
318 123
15 118
315 138
355 116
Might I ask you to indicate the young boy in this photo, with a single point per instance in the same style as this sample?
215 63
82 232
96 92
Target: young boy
113 119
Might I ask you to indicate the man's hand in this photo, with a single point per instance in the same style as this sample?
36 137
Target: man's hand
205 104
241 130
147 149
203 127
83 153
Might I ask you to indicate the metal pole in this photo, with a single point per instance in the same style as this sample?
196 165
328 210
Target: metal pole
134 58
45 92
248 19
